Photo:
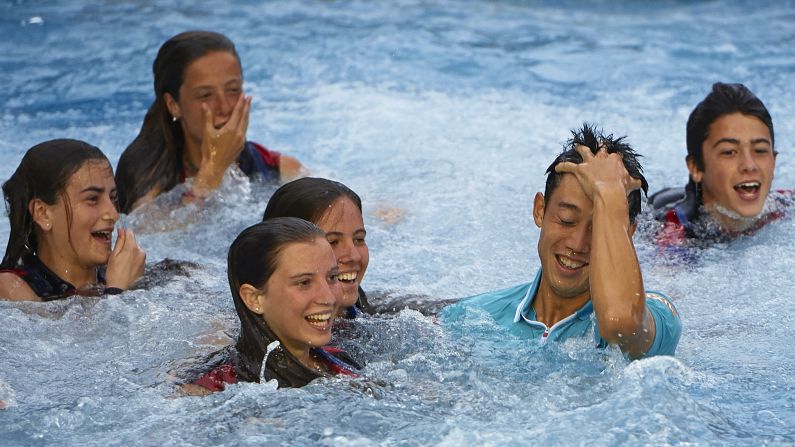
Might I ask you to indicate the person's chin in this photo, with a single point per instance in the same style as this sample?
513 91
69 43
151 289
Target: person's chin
348 301
749 210
350 293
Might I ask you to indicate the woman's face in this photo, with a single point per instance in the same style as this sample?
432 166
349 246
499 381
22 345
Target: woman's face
213 79
344 229
90 198
302 295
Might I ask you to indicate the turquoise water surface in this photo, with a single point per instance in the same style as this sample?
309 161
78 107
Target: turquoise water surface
451 111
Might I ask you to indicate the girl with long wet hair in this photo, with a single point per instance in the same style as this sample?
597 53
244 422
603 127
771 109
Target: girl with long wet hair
283 278
61 204
196 126
337 210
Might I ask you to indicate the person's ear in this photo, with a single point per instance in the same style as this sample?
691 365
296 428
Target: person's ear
695 173
173 106
41 214
253 298
538 209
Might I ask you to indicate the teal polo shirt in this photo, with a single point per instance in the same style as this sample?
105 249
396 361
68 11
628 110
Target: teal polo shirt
512 308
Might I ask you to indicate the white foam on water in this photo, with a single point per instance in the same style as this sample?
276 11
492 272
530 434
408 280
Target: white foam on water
451 115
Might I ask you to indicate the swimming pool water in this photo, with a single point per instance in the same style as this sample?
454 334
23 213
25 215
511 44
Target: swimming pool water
450 111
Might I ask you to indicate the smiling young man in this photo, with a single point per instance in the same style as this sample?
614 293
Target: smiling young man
731 159
590 283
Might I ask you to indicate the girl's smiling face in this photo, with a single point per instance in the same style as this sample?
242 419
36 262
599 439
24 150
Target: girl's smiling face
301 297
344 228
78 228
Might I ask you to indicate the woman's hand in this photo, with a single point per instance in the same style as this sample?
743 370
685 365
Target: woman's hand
126 263
221 147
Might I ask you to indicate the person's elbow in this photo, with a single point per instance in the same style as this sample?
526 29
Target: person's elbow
616 326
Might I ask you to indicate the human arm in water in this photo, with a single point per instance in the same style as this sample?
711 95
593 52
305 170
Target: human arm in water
616 283
220 148
14 288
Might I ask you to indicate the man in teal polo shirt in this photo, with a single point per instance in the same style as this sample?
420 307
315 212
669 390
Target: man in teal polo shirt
590 280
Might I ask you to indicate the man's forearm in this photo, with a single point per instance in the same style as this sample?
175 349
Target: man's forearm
616 282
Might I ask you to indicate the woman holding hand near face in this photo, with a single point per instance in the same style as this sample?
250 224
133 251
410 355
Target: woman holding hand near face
196 127
61 203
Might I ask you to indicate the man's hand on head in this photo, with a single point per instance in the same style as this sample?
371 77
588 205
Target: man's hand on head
599 172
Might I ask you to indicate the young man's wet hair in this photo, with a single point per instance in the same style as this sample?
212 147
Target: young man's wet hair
594 139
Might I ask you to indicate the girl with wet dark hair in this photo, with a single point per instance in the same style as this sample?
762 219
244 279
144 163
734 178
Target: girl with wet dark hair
61 204
337 210
283 279
196 126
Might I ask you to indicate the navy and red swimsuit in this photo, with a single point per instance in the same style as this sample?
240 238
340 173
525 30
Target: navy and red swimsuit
46 284
680 212
217 379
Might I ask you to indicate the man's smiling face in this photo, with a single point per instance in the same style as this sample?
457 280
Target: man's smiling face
564 245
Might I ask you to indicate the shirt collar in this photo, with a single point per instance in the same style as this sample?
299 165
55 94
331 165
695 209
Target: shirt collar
526 304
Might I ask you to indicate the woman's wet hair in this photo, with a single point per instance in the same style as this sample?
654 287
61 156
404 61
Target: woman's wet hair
154 158
308 198
252 259
724 99
594 139
42 174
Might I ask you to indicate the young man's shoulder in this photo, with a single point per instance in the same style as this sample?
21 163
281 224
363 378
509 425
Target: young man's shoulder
668 325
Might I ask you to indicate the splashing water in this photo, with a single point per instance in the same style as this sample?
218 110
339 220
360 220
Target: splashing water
451 114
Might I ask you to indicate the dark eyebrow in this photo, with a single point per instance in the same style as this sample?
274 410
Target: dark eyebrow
726 140
299 275
200 88
736 141
96 189
339 233
569 206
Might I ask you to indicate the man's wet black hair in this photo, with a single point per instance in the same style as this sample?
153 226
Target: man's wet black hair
594 139
724 99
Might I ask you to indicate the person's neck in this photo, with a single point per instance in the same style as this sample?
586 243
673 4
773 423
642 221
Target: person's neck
551 308
305 357
67 269
729 220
